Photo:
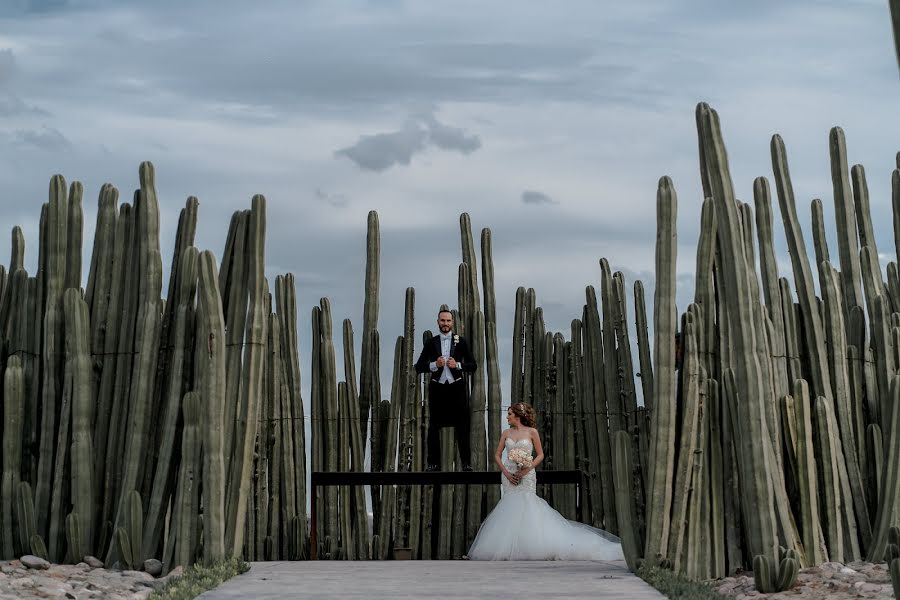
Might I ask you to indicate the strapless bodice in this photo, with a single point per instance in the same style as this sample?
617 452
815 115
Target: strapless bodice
526 443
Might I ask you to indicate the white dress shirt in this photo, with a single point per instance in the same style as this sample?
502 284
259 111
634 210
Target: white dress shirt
446 376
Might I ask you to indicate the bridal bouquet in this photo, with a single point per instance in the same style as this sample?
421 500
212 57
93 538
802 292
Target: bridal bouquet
521 457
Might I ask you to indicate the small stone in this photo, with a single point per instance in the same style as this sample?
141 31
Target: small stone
94 562
153 567
34 562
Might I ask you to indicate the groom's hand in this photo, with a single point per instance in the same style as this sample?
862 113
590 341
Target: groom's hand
452 363
440 362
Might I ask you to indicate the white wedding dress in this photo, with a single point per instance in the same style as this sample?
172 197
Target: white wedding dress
524 527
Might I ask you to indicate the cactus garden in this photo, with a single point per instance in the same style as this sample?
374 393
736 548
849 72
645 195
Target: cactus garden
756 429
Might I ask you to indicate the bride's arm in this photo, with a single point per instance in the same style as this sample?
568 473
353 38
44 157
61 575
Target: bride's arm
498 457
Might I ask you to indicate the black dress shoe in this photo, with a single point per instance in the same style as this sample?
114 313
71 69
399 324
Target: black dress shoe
432 468
467 467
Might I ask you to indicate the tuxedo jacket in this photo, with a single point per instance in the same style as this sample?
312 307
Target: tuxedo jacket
459 350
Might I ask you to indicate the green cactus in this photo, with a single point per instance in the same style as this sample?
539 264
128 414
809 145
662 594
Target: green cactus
251 382
631 542
662 442
78 369
894 568
75 540
52 279
210 370
774 576
13 413
182 308
187 492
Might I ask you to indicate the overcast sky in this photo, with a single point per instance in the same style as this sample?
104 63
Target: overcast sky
548 122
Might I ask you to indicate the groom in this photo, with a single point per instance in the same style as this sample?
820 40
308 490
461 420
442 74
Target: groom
447 357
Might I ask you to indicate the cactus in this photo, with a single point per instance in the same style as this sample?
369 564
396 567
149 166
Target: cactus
187 492
251 383
293 427
772 577
52 346
142 391
210 369
130 538
894 569
13 413
631 546
662 443
182 307
370 388
75 541
750 378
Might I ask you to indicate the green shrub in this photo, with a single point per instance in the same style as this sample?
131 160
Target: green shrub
674 586
198 578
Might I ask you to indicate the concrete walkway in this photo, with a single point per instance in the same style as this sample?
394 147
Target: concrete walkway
458 579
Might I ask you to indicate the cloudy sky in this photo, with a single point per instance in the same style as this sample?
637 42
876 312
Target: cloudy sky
550 123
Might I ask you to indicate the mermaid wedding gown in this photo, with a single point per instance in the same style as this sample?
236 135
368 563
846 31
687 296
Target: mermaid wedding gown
524 527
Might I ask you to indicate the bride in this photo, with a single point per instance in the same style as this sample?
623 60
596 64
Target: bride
523 526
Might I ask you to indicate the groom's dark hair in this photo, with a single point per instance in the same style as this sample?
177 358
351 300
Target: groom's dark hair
445 311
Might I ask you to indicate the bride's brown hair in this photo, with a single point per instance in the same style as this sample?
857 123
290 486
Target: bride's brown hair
525 413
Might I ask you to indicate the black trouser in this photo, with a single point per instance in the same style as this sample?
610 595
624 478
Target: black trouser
448 406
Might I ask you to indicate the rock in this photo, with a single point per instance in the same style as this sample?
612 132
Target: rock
94 562
153 567
137 575
34 562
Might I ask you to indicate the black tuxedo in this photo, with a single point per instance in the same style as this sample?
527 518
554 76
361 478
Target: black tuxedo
448 403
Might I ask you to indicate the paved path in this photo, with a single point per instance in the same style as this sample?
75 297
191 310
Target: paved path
457 579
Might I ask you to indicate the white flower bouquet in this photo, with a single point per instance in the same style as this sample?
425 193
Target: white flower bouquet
521 457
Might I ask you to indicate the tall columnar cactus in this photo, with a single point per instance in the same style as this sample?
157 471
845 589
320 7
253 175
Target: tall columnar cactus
813 331
848 463
78 374
233 280
187 492
182 337
692 387
492 363
603 469
361 535
13 414
807 483
643 340
116 364
845 219
756 484
294 428
210 375
890 474
53 281
771 291
662 444
370 387
251 381
631 542
327 391
142 391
